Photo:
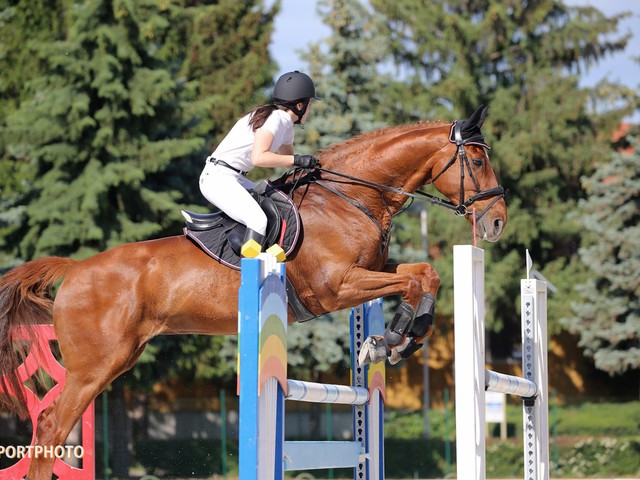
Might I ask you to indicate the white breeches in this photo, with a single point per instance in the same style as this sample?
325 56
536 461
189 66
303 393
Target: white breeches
228 190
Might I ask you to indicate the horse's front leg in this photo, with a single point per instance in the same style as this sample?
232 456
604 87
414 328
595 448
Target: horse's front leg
412 323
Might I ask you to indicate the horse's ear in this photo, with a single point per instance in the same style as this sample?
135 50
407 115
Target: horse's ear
478 117
483 114
470 128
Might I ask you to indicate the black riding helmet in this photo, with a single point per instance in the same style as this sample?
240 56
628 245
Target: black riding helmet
292 88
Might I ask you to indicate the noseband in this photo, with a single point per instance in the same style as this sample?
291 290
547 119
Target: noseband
462 209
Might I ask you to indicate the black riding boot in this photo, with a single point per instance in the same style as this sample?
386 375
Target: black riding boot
252 244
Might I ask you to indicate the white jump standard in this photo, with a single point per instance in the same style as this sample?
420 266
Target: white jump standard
472 379
263 386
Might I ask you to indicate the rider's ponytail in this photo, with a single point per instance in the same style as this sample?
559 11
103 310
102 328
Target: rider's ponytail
259 115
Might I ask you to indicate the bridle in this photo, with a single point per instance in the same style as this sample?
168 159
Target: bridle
462 208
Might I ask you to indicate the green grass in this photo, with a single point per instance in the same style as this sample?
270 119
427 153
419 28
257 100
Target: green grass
599 419
591 439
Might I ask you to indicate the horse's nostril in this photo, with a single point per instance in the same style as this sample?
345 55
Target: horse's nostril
497 225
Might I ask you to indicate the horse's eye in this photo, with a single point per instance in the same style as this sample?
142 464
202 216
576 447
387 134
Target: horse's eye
478 162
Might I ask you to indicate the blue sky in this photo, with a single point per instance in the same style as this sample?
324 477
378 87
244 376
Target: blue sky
298 25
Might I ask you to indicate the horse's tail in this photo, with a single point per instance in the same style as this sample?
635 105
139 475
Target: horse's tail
25 300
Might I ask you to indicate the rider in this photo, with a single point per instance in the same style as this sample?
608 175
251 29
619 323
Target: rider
263 137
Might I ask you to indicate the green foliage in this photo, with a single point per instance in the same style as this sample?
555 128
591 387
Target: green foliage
345 69
22 26
520 60
101 133
109 106
319 346
596 457
608 315
228 56
410 425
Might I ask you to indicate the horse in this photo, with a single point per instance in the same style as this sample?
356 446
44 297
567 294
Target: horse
110 305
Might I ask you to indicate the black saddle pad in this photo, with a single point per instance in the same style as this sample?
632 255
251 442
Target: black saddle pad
220 232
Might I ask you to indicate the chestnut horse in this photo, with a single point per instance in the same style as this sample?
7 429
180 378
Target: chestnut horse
110 305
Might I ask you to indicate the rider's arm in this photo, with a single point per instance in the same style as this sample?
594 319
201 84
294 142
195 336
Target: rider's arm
286 150
262 157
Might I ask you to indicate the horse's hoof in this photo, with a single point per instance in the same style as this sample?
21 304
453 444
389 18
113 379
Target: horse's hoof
374 350
396 353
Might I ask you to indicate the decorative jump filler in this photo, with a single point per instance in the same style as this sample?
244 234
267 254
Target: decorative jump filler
263 386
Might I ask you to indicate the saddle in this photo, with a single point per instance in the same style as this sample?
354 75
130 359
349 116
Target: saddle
221 237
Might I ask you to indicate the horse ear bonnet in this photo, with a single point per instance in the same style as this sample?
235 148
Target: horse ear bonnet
470 128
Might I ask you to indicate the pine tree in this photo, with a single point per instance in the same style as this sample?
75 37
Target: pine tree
228 55
346 75
104 132
607 316
523 60
108 136
22 26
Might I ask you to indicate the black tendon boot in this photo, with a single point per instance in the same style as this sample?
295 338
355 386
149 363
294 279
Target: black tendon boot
252 244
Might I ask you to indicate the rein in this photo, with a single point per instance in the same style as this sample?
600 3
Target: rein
461 209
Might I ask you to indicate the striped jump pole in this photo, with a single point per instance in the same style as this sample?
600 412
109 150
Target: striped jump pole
472 379
263 386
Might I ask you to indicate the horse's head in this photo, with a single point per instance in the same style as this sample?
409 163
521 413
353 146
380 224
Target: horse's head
386 166
468 180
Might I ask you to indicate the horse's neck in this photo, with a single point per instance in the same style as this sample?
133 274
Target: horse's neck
401 158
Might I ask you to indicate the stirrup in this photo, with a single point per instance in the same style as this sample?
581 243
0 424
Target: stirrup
277 251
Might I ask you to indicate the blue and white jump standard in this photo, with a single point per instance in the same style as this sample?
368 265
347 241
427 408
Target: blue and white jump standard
471 378
263 386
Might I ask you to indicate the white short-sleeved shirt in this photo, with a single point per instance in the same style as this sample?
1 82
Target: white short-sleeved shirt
235 148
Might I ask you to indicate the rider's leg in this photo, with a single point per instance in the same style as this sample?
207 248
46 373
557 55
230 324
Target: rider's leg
228 191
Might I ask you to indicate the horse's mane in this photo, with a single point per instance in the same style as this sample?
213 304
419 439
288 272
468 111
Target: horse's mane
363 140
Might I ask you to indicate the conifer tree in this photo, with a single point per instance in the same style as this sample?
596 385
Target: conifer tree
228 55
607 315
109 131
344 67
104 132
22 25
523 60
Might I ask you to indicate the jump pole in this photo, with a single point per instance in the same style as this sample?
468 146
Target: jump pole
263 386
472 379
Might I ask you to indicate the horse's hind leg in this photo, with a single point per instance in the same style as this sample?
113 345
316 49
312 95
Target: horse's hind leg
56 421
84 381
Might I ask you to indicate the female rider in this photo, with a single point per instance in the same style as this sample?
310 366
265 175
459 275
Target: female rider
263 137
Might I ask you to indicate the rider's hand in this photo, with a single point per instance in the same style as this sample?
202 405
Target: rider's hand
305 161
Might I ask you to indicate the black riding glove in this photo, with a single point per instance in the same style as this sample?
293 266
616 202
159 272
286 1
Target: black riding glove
305 161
